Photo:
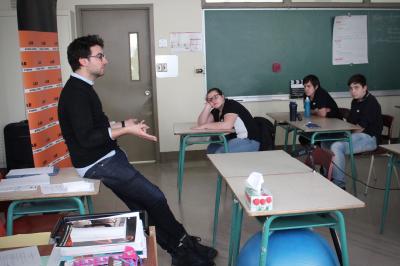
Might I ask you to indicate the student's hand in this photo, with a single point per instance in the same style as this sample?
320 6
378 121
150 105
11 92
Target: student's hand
140 129
207 107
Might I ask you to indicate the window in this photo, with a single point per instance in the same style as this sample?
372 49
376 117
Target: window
134 51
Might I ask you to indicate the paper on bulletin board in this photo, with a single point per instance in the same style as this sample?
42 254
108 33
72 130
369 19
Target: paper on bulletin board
186 41
350 40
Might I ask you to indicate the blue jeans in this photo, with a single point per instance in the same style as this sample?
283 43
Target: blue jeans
361 142
138 193
234 145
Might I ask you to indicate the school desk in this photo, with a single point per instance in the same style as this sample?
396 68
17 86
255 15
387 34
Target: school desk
189 136
231 165
394 150
304 200
34 201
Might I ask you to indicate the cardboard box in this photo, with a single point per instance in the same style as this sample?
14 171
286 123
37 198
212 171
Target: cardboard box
258 201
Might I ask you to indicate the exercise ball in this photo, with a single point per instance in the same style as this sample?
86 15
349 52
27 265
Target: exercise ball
289 248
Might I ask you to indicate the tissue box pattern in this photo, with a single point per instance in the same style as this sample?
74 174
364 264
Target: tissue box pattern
258 201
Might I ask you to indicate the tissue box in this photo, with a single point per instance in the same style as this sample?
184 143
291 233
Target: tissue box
258 201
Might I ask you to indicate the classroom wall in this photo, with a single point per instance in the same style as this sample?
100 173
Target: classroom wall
178 99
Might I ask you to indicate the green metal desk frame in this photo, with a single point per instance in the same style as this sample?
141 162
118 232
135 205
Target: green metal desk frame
19 208
185 141
330 136
391 163
334 220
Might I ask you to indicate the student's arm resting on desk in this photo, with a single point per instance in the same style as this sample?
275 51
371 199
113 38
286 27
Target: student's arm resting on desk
205 115
322 112
229 121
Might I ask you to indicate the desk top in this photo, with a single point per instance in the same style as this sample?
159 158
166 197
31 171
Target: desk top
65 175
279 117
325 124
265 162
186 128
395 148
298 193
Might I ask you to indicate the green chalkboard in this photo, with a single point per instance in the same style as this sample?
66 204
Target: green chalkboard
242 45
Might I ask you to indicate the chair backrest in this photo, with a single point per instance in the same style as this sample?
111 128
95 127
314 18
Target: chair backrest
386 134
321 157
266 132
345 113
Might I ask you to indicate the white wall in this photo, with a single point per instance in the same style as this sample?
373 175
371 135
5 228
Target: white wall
179 99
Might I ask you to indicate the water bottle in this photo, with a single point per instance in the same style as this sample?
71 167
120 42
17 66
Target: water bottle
293 111
307 107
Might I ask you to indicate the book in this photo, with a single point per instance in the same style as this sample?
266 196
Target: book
98 234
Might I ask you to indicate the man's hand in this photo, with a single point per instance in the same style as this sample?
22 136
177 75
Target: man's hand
139 129
130 122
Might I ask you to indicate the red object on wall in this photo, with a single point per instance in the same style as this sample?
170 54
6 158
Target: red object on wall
276 67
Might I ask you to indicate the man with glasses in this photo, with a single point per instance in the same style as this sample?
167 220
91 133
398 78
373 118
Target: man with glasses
91 140
222 113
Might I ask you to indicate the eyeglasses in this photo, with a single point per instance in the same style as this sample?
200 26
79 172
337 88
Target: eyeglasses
98 56
212 98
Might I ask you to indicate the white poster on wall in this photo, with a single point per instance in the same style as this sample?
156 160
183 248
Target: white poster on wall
350 40
186 41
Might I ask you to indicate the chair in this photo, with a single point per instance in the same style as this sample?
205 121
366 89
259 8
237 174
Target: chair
267 133
323 158
385 139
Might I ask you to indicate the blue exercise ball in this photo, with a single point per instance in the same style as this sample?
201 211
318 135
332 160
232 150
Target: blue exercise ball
289 248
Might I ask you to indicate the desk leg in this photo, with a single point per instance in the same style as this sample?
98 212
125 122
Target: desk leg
353 164
89 204
343 239
10 217
181 164
387 190
232 239
225 143
264 239
294 139
239 218
216 209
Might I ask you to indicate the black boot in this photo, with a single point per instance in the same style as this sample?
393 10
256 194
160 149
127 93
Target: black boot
186 254
204 251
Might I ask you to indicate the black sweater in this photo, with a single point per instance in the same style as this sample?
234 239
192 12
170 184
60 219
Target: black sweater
83 123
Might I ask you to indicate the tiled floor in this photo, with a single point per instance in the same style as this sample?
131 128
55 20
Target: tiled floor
366 245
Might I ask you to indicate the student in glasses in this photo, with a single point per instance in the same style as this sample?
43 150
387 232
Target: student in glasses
91 140
222 113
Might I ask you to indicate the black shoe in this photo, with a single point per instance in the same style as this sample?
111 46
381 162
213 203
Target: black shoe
204 251
187 256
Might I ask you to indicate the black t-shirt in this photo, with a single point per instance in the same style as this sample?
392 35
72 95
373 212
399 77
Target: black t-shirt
367 113
322 99
245 126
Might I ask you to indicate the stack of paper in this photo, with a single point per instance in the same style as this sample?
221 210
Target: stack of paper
24 183
105 235
69 187
15 173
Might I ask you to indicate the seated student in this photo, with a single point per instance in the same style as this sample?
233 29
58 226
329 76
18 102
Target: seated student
366 113
222 113
321 103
